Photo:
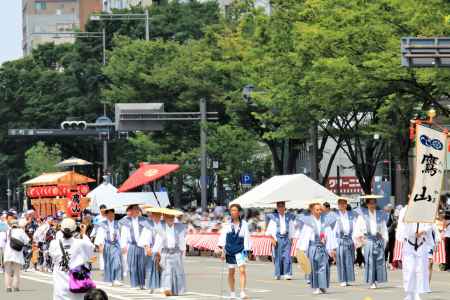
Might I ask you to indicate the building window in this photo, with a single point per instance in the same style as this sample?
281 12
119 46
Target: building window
63 27
40 5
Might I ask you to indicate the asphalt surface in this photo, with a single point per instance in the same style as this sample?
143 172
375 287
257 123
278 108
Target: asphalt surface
206 279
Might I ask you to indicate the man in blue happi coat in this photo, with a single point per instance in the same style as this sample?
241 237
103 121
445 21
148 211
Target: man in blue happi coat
108 241
130 233
371 232
345 252
281 229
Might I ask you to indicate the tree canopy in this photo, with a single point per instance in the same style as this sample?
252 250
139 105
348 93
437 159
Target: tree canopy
319 71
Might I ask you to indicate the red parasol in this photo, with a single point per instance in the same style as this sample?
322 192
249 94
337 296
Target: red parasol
147 173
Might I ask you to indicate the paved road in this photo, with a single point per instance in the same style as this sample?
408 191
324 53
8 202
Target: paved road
204 282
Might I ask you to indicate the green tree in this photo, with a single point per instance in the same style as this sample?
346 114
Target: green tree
238 152
41 159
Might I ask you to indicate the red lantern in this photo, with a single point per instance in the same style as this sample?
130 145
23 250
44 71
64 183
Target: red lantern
83 189
44 191
55 191
38 191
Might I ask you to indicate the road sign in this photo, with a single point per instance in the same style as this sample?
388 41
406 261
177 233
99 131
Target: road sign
52 132
247 179
425 52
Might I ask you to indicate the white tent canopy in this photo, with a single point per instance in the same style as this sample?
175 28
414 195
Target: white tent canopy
298 190
107 194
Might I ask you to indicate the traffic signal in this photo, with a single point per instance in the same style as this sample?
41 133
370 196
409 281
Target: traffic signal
74 125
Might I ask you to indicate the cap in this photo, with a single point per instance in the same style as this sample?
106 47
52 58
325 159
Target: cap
30 211
68 224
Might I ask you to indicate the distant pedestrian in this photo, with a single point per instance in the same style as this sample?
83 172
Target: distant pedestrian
14 260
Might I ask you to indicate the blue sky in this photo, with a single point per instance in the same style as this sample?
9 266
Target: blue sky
10 30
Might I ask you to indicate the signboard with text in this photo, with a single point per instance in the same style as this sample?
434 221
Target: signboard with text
348 185
431 151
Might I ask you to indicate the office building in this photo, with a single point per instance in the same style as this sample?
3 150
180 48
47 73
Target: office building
49 16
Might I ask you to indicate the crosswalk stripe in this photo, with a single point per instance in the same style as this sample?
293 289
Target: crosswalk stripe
125 292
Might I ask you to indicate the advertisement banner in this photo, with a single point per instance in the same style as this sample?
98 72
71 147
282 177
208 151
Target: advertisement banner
431 151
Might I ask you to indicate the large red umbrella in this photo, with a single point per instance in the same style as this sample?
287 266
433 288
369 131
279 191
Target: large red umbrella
147 173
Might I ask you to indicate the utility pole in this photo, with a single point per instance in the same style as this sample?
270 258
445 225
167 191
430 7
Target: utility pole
147 26
338 180
203 154
314 153
105 156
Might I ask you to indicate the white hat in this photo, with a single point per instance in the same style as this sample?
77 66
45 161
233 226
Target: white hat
23 223
68 224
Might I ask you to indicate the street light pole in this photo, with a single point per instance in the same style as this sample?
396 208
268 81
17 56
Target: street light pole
9 193
104 45
203 154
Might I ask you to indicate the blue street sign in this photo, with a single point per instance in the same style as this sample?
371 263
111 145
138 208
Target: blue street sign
247 179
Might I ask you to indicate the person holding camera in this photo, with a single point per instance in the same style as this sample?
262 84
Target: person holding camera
16 239
68 254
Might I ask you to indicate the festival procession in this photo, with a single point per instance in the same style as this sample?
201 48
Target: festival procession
224 149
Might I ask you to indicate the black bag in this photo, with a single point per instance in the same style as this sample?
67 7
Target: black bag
15 244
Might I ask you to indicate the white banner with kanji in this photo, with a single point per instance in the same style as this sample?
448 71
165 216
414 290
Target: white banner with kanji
431 150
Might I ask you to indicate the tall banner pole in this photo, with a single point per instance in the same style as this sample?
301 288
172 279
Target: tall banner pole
431 150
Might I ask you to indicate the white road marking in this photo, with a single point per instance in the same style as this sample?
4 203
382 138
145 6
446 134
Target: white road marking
126 292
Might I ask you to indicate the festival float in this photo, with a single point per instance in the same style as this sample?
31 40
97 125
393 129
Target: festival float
59 191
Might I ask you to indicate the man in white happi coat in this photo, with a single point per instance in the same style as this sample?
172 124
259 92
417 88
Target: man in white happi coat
417 245
79 252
